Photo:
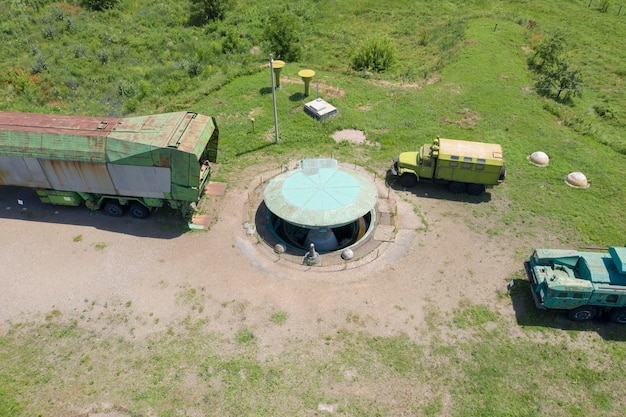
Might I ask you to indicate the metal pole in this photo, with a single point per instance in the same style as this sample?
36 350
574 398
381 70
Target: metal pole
274 96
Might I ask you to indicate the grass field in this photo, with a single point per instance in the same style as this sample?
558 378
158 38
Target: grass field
461 73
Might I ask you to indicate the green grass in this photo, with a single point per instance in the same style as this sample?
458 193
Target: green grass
461 73
476 371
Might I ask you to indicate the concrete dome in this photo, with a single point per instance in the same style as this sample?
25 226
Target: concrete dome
577 180
539 158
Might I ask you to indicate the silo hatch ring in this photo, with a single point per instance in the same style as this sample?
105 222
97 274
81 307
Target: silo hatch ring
317 202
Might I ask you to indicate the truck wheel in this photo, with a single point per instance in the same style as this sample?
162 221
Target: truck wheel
618 315
475 189
457 187
582 313
408 180
113 208
139 211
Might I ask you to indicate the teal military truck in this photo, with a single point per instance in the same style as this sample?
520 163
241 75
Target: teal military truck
135 163
583 284
465 166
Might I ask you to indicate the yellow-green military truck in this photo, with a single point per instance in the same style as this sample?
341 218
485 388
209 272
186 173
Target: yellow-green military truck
465 166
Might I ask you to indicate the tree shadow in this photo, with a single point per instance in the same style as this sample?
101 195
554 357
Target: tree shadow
531 317
18 203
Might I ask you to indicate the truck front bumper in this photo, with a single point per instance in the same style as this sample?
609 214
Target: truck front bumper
394 167
530 275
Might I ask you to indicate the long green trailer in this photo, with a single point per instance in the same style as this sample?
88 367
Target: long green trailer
140 163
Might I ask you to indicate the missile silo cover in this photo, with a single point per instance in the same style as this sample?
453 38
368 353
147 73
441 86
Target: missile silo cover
320 194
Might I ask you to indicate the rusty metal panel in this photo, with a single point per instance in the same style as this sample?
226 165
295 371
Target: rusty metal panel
86 177
54 136
201 138
138 181
24 172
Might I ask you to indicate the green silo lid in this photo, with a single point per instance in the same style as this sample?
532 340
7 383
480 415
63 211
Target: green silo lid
320 194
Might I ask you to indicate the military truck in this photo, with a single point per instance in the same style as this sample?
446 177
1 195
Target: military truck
140 163
583 284
465 166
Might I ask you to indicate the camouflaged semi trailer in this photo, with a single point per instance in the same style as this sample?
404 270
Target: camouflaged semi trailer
140 163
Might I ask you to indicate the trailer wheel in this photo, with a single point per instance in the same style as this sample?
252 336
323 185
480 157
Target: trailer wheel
475 189
457 187
618 315
582 313
139 211
113 208
408 180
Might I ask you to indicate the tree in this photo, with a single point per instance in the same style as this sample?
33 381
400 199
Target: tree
548 54
562 78
554 71
282 34
205 11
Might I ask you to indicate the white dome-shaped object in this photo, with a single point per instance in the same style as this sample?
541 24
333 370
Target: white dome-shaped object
539 158
347 254
577 180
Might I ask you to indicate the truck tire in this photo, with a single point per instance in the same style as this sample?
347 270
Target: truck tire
618 315
408 180
139 211
457 187
113 208
582 313
475 189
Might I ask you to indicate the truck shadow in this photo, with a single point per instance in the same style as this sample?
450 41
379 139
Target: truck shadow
530 317
18 203
437 191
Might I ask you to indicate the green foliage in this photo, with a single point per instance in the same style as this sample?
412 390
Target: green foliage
280 317
604 6
555 73
604 111
99 4
548 54
375 53
281 31
562 79
205 11
244 336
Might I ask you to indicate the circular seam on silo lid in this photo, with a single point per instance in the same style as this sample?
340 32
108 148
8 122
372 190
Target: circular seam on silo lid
323 196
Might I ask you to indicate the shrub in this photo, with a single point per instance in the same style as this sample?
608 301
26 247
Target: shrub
376 53
39 65
604 111
205 11
100 4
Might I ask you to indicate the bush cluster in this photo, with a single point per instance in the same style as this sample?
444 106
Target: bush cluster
376 53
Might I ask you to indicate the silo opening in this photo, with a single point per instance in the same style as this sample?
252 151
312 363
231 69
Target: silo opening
318 203
327 239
